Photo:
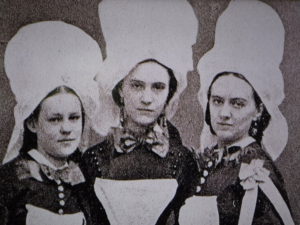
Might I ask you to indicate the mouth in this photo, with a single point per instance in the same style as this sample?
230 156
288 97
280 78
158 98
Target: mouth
67 140
225 124
145 110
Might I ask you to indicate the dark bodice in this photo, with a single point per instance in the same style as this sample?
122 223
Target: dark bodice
223 181
104 161
19 188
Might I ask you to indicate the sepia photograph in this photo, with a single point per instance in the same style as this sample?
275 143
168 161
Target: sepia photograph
149 112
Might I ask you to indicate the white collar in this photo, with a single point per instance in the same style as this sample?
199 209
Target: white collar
243 142
41 159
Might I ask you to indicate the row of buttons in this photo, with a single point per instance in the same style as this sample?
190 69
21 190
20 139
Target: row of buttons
61 196
205 173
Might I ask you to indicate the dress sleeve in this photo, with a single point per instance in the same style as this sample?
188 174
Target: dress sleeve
265 212
10 190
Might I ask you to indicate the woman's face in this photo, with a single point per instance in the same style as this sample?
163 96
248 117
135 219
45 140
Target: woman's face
59 125
145 93
232 108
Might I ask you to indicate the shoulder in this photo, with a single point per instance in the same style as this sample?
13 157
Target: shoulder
92 159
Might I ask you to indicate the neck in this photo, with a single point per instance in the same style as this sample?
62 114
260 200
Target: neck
135 127
224 143
55 161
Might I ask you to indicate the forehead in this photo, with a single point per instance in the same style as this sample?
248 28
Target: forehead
150 72
232 87
61 103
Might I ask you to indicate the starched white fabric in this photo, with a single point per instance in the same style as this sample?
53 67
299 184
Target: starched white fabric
249 40
40 216
199 210
135 202
138 30
43 56
41 159
254 176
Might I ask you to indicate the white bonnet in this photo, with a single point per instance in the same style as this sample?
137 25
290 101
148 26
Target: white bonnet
43 56
138 30
249 40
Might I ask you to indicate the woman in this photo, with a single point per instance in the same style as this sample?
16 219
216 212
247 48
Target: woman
142 164
41 182
235 167
241 89
146 145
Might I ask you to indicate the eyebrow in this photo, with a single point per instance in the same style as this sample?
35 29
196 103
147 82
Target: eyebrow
242 99
137 81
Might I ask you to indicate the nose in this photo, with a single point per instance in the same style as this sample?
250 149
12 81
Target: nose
65 128
146 97
225 112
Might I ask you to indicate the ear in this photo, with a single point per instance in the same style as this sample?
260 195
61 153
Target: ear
31 124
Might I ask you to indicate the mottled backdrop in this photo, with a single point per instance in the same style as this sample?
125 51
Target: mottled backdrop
189 119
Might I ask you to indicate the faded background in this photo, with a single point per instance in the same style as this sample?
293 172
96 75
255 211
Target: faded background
189 119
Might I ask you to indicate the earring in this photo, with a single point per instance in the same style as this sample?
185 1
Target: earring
254 128
162 120
122 116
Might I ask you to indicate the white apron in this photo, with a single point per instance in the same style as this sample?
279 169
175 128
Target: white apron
199 210
135 202
40 216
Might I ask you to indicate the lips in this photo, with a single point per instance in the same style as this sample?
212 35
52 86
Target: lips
224 124
66 140
145 110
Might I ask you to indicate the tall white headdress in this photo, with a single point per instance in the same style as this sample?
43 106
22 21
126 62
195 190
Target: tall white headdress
138 30
43 56
249 40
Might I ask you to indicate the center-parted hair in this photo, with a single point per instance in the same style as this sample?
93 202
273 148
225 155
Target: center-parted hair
172 82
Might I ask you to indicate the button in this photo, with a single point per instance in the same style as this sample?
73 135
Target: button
58 182
95 158
180 154
198 189
61 211
61 195
174 173
99 169
97 163
93 153
175 166
205 173
209 164
202 180
62 202
60 188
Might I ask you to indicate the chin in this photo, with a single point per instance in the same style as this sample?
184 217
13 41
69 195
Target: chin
145 121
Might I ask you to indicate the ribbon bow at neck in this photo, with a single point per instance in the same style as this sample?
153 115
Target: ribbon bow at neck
156 140
226 154
70 174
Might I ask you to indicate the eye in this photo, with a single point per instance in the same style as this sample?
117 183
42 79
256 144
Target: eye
55 119
217 100
74 117
137 85
159 86
238 103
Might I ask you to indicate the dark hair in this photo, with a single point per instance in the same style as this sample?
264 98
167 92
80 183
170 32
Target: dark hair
172 82
262 122
30 138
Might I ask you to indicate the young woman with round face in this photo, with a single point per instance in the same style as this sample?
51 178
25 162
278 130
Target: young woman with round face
46 170
52 81
146 146
237 118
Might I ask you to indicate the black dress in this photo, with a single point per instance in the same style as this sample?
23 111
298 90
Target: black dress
103 161
20 188
221 179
